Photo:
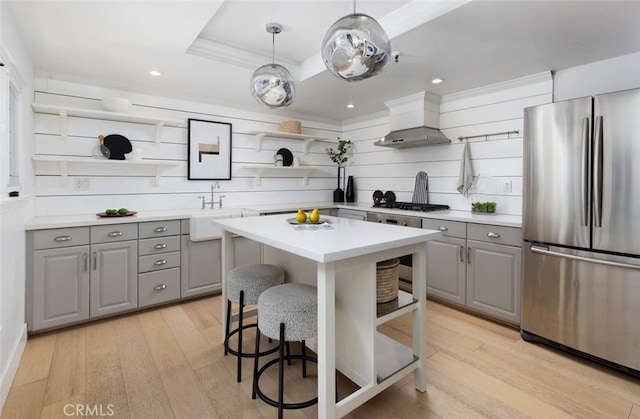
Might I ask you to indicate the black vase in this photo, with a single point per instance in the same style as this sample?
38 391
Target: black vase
350 194
338 193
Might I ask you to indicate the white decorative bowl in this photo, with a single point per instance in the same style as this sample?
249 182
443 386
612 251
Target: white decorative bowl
116 104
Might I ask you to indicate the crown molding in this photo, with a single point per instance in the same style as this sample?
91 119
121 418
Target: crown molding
545 76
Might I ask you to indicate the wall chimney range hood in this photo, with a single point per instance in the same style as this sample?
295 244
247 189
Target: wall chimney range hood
414 122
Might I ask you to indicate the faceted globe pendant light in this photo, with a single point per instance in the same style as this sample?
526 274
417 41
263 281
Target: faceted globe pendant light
355 47
272 84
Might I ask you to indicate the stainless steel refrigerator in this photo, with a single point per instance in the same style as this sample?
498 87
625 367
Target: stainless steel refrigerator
581 226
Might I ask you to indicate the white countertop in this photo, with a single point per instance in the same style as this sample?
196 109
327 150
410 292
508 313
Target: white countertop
326 245
39 223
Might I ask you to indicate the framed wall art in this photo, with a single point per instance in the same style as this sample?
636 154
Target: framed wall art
209 150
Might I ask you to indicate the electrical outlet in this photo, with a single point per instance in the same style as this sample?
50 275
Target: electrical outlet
81 184
506 186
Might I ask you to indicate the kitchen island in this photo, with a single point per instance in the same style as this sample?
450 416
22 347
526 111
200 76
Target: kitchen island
340 260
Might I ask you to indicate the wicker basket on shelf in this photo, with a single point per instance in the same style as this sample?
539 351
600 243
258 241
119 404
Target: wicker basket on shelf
292 127
387 274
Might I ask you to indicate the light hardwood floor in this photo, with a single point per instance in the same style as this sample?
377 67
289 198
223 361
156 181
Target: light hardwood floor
168 362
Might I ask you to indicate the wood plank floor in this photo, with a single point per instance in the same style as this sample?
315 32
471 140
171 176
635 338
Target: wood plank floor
168 362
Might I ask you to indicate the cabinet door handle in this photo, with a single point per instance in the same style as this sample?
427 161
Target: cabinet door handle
94 255
160 287
160 229
443 228
160 262
160 246
493 235
114 234
462 254
86 262
468 255
62 238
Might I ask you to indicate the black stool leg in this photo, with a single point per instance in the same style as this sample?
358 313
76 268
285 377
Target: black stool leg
281 374
304 359
288 353
255 365
228 325
240 312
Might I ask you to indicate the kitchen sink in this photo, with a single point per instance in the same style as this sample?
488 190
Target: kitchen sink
201 227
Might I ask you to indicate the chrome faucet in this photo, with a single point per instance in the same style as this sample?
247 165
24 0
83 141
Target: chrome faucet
212 202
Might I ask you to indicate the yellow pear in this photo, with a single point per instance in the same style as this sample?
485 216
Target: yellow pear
301 216
314 217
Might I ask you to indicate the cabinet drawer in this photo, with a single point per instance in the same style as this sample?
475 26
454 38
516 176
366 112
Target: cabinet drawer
158 287
113 233
157 262
448 228
159 229
511 236
159 245
60 237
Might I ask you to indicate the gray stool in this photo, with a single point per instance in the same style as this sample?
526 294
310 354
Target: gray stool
244 285
287 312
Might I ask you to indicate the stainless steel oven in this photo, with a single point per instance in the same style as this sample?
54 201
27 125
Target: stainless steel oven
405 261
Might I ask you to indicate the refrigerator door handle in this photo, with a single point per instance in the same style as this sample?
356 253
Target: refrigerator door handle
597 174
584 180
547 252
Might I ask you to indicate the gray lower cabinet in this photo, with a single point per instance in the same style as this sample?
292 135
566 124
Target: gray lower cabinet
352 214
200 267
114 277
59 291
476 266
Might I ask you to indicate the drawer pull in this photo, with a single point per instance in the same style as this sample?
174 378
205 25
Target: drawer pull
86 262
461 254
62 238
160 287
114 234
160 262
468 255
443 228
160 229
160 246
493 235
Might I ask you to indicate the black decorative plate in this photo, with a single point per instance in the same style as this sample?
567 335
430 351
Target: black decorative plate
377 196
287 156
118 146
389 197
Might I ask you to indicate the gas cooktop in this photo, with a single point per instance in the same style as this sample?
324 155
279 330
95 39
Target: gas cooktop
412 206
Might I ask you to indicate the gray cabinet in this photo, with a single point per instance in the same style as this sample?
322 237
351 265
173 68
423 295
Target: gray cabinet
58 292
159 262
476 266
200 267
352 214
114 277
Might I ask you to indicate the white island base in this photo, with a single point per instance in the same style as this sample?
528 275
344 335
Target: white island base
341 263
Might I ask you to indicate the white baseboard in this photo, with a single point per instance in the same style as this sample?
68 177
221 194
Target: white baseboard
12 366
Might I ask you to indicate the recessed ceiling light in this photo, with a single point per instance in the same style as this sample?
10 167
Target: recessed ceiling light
437 81
155 73
351 105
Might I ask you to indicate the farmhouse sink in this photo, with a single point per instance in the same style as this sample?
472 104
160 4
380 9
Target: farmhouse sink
201 228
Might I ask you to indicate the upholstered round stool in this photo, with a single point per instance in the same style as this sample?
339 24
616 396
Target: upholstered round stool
287 312
244 284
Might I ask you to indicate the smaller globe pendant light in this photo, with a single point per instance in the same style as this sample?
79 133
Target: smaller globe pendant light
272 84
355 47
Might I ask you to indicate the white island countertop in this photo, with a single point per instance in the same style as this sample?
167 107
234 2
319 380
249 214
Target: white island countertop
344 239
341 262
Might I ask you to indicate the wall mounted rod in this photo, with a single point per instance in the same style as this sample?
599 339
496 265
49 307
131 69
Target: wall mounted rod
488 135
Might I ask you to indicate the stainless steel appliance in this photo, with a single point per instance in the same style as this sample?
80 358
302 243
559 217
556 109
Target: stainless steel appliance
581 270
405 261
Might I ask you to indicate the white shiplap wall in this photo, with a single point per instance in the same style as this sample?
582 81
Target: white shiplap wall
496 160
134 187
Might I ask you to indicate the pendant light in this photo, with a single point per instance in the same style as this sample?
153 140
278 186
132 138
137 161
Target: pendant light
355 47
272 84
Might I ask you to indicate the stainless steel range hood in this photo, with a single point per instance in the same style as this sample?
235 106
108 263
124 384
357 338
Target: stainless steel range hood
414 122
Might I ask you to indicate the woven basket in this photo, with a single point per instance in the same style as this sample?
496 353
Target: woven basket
387 275
293 127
